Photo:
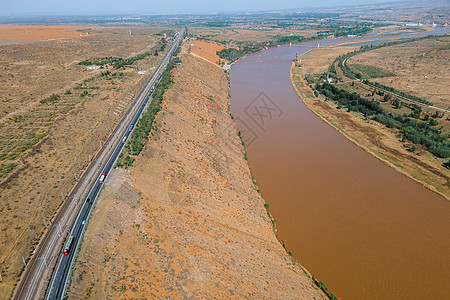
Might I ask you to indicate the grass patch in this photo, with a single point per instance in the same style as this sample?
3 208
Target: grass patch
51 99
116 62
445 47
372 72
6 168
19 147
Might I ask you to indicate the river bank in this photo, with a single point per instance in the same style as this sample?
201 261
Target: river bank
353 222
374 138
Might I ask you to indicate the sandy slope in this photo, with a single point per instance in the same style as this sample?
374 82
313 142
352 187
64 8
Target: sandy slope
187 220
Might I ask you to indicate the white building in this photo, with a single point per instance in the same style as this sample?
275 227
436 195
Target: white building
92 67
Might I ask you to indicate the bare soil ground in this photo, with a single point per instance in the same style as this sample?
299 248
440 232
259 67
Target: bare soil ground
230 36
207 50
373 137
421 68
187 220
318 60
32 71
25 33
59 136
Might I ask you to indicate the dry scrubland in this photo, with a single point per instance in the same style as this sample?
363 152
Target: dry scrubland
50 142
230 36
375 138
32 71
411 62
187 221
25 33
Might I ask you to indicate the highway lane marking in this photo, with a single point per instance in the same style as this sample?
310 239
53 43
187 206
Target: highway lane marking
96 189
46 252
54 236
66 215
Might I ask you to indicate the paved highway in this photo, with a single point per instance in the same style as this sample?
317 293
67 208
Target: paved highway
32 282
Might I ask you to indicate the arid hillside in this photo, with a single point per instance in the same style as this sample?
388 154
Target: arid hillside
187 220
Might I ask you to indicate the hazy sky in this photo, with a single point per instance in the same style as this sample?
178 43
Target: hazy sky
97 7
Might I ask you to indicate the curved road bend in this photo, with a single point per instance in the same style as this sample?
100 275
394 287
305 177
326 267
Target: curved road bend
35 277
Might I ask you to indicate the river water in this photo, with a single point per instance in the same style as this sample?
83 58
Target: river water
364 229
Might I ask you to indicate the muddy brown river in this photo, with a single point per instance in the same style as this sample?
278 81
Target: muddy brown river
364 229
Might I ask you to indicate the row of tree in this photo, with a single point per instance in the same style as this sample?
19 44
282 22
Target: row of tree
420 132
398 92
143 128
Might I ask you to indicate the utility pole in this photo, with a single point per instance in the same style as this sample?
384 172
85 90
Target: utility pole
79 164
60 230
45 261
23 259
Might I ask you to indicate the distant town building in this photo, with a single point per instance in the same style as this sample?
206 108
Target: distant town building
92 67
412 24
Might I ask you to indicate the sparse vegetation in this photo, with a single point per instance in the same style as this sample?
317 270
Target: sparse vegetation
31 170
413 129
371 71
357 71
324 288
233 54
140 134
395 91
116 62
51 99
6 168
